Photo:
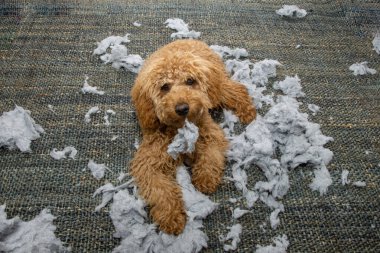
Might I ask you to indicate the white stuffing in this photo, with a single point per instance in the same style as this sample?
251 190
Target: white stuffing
118 56
313 108
182 29
229 122
122 176
97 170
136 144
90 89
108 191
130 220
107 114
361 69
67 152
18 130
237 213
360 184
51 108
281 244
110 41
137 24
36 235
322 180
298 46
224 51
234 235
274 220
92 110
184 141
376 43
292 11
344 177
291 86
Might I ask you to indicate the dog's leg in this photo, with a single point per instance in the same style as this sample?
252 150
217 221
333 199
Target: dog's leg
154 172
208 167
235 97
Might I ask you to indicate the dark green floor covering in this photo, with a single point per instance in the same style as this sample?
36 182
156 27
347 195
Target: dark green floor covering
46 50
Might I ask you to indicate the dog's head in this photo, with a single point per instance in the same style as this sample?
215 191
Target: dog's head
174 87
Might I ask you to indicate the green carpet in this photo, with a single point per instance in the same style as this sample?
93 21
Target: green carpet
46 51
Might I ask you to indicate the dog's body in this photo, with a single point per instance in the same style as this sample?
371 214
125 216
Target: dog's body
183 79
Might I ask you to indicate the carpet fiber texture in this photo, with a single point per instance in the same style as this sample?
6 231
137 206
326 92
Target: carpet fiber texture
46 51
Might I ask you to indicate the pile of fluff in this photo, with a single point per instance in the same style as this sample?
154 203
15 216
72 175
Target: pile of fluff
18 130
182 28
276 142
129 216
36 235
111 50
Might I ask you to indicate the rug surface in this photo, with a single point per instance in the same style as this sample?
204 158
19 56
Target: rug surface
46 52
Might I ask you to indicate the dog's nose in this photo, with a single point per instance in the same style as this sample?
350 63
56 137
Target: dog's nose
182 109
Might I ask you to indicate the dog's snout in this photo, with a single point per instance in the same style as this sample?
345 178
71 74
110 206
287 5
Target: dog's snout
182 109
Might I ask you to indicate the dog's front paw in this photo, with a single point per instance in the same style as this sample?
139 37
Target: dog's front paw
248 115
170 217
206 184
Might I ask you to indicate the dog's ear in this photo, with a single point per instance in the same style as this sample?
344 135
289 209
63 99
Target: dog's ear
144 107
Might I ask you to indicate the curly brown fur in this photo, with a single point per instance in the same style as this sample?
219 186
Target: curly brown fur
184 73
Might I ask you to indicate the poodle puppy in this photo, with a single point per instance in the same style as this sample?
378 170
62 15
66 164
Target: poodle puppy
183 79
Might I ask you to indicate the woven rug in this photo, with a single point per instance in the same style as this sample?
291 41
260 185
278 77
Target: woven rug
46 51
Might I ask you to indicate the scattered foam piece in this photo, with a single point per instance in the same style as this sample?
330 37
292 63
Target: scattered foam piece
114 137
65 153
129 218
274 220
298 46
232 200
182 29
107 114
344 177
92 110
136 144
291 86
224 52
237 213
110 41
234 235
281 244
184 141
90 89
321 181
361 69
36 235
292 11
376 43
18 129
229 122
313 108
137 24
122 176
118 56
97 170
360 184
108 191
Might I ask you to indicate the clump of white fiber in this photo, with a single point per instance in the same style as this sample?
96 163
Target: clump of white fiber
234 235
118 56
97 170
313 108
137 24
36 235
344 177
292 11
90 89
182 29
130 220
92 110
224 51
376 43
237 213
67 152
291 86
107 115
281 244
362 69
18 130
360 184
184 141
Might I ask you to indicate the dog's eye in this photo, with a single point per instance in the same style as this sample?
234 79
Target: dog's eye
190 81
165 87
